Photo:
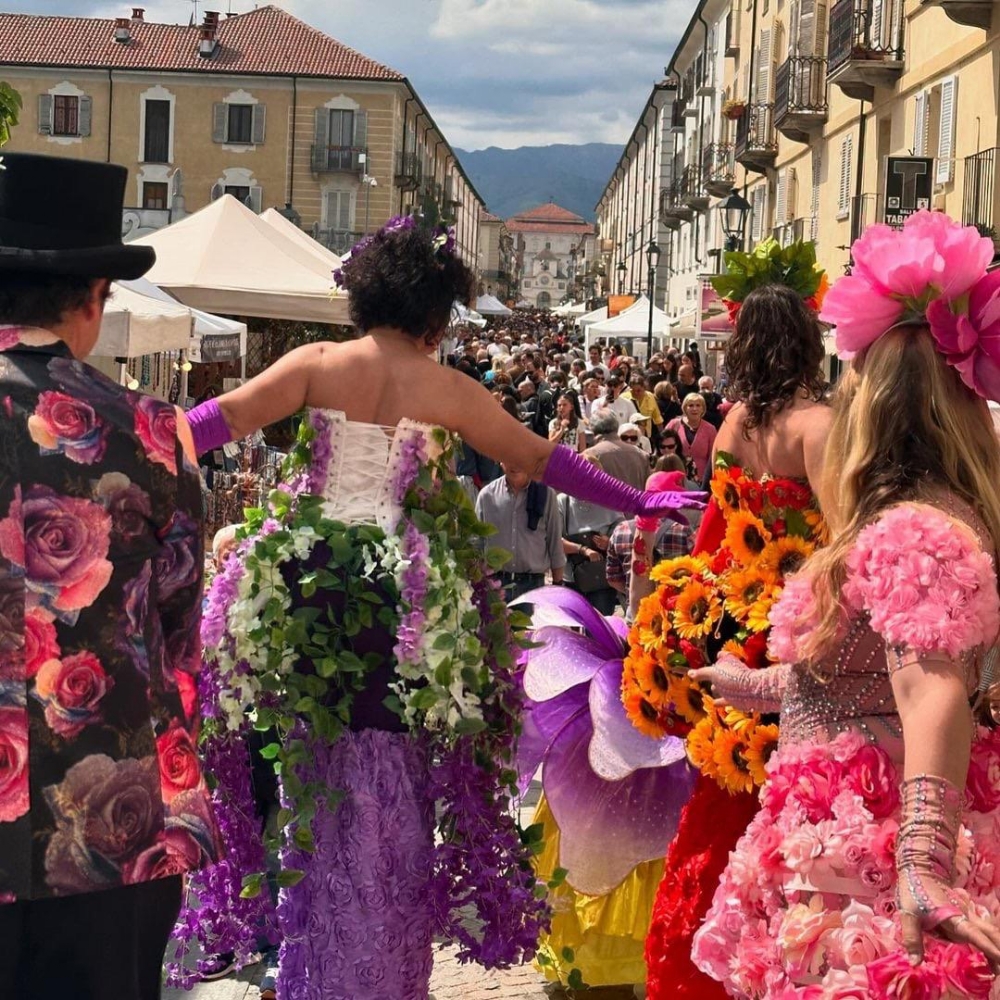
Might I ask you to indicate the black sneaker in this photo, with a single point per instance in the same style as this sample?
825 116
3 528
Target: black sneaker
218 966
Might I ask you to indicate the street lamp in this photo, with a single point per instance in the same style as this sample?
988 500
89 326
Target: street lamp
734 210
621 269
652 259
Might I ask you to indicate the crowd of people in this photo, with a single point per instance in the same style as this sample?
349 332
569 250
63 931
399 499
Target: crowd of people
842 588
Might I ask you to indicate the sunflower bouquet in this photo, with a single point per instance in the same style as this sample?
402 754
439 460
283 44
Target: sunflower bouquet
718 601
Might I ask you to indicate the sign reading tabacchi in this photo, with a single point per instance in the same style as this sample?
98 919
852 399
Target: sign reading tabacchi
909 185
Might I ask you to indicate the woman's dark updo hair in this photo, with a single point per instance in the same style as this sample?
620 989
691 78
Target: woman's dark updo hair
775 353
399 280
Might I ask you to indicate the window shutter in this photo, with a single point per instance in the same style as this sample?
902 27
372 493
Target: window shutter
259 115
875 29
817 164
220 121
799 26
819 34
176 184
322 128
945 171
745 80
85 115
921 108
361 130
216 193
255 198
781 201
45 114
844 193
344 220
762 86
757 213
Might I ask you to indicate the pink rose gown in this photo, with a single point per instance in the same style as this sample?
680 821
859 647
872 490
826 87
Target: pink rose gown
807 905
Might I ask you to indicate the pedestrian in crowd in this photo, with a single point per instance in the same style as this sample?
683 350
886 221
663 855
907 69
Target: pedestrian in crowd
103 806
676 463
597 360
686 381
713 401
697 435
590 398
508 399
665 393
615 356
642 423
528 525
618 458
645 402
577 374
614 402
692 358
545 403
566 427
672 539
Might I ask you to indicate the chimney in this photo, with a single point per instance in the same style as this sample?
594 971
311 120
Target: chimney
211 19
122 32
137 13
207 43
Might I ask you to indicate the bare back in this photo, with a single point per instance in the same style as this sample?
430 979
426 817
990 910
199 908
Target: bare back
792 445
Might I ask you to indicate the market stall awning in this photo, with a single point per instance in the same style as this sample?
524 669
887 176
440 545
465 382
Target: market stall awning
135 324
225 259
597 316
490 305
461 314
633 322
288 228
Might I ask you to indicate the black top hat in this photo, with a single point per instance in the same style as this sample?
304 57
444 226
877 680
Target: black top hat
64 216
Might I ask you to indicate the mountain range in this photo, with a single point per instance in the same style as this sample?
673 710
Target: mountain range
512 180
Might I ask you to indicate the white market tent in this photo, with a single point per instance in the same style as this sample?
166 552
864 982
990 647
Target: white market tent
461 314
593 317
490 305
225 259
632 324
571 309
288 228
135 324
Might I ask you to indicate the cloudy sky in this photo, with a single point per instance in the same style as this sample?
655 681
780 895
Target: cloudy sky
492 72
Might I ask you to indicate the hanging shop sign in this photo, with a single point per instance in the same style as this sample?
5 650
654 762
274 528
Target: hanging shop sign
909 187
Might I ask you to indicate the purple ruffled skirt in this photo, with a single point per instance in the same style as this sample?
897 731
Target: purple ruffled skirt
358 926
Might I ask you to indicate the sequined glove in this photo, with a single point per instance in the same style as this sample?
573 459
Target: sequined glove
208 426
746 689
925 850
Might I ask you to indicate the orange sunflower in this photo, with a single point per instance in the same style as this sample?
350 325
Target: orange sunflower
645 716
676 572
729 751
762 743
745 587
747 537
653 680
726 488
687 700
701 747
650 624
785 556
698 609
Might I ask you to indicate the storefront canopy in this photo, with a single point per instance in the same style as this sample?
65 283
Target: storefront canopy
225 259
135 324
490 305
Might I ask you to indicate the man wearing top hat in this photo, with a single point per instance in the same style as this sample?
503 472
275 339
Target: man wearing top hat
103 805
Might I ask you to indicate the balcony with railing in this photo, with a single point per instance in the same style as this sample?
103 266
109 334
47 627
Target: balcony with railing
409 171
756 142
800 97
338 159
979 202
673 209
693 193
340 241
975 13
866 46
677 117
718 168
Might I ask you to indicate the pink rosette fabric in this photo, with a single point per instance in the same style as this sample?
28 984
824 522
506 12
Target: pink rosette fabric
792 618
806 907
924 581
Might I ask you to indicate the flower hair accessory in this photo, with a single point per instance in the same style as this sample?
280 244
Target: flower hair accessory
932 272
442 240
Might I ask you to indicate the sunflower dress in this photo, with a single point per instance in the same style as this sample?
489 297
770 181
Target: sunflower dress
755 530
806 906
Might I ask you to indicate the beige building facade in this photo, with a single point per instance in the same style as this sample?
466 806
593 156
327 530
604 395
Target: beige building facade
258 105
496 259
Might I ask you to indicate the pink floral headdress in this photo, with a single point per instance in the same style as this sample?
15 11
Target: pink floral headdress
933 271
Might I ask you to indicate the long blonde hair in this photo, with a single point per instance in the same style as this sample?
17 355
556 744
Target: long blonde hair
905 427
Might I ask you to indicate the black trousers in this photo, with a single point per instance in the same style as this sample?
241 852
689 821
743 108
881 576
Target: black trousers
95 946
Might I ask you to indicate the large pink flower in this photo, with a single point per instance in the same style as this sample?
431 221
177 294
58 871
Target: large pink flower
14 796
66 425
892 977
40 640
71 690
859 313
971 339
156 426
963 253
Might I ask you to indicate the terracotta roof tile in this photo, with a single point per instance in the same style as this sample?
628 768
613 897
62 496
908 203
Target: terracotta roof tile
267 41
549 218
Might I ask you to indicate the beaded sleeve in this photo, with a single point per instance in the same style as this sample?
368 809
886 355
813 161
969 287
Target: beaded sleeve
925 583
746 689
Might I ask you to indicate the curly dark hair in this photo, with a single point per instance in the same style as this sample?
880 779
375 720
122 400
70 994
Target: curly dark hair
399 280
30 299
775 353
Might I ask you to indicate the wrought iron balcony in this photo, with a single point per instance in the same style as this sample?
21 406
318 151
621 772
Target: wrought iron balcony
756 142
800 97
718 168
693 193
979 203
673 209
677 122
340 241
865 52
975 13
409 171
337 159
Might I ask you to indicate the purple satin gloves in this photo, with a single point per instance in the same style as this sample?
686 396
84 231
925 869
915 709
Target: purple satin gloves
208 426
568 472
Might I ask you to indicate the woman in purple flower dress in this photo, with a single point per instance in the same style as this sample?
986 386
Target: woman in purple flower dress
360 618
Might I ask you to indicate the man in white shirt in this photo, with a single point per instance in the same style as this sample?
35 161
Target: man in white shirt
615 403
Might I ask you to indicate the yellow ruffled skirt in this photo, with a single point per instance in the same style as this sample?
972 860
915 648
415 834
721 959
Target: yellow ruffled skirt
606 934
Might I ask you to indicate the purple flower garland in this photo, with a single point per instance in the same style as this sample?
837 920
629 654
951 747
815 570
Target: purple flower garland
416 550
322 452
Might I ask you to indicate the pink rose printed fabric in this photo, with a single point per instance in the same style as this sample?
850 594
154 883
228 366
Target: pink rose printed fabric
100 594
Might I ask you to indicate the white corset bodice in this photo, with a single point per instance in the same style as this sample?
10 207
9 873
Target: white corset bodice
363 462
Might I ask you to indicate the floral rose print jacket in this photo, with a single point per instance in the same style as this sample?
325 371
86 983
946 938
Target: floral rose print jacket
101 560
